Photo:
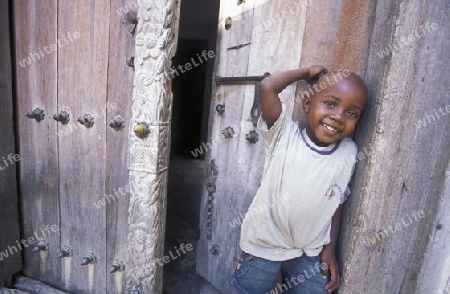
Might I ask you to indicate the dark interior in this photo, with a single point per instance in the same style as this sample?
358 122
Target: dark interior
191 91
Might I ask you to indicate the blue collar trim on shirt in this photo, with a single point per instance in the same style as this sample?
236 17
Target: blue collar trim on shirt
328 152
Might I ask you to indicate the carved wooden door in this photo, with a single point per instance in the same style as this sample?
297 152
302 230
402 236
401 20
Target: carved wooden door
254 37
71 64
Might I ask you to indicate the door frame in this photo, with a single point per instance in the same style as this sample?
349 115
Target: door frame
9 197
150 142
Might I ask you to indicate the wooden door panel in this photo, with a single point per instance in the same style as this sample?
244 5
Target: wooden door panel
82 84
274 30
120 82
36 69
75 177
216 268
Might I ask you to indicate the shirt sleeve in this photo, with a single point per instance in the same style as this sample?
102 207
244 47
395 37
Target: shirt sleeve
272 136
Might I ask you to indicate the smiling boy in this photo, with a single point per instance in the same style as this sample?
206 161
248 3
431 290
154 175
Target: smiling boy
297 237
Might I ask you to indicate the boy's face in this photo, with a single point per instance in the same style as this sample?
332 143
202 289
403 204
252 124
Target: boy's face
333 112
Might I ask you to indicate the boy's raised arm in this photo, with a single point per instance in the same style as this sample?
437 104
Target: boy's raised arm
273 85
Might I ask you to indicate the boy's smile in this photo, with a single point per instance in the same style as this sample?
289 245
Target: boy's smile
333 112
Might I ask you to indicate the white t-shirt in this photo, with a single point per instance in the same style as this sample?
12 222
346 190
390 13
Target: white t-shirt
292 210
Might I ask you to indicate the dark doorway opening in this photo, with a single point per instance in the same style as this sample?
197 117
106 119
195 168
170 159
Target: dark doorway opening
192 75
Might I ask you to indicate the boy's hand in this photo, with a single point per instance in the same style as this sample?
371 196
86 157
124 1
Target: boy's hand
314 71
328 257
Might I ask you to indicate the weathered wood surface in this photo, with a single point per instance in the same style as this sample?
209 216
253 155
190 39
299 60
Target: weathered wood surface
120 85
4 290
391 170
344 46
37 87
406 171
91 170
228 63
152 104
433 279
212 41
240 163
33 286
9 209
82 89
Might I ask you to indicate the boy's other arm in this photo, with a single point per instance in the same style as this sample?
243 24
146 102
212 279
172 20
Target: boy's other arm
273 85
329 252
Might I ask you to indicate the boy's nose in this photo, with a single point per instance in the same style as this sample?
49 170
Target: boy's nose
337 115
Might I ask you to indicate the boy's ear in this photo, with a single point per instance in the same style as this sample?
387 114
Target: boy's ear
306 103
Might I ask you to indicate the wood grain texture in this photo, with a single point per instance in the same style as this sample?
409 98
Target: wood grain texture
341 46
156 37
4 290
120 86
437 250
9 210
33 286
82 89
239 162
406 171
36 27
212 42
224 151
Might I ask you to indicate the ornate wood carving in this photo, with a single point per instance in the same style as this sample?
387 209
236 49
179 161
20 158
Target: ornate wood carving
156 37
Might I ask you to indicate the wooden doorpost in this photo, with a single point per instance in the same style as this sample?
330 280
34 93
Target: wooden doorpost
156 39
10 258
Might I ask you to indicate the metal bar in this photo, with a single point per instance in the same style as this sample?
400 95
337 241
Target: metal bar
240 80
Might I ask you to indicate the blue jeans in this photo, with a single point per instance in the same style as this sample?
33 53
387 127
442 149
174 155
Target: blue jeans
300 275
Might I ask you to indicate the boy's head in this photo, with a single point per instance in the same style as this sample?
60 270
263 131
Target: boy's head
335 107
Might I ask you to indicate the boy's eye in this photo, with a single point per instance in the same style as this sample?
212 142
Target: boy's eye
329 104
352 114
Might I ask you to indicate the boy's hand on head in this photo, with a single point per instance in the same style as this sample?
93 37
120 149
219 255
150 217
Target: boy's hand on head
329 258
314 71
